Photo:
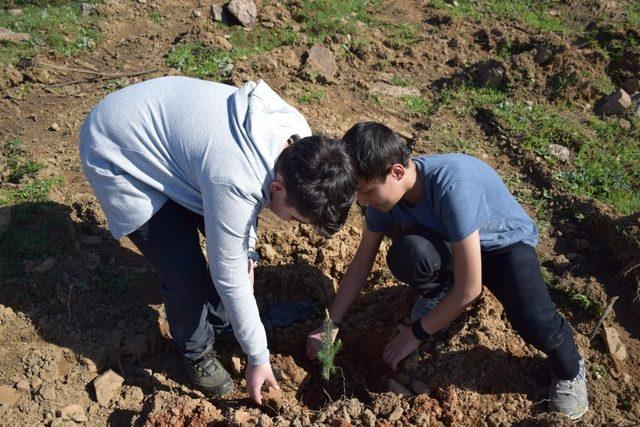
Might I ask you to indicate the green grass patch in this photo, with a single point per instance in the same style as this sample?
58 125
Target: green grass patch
54 26
606 162
194 59
155 17
311 96
575 298
19 181
417 105
632 14
398 80
534 13
400 36
324 18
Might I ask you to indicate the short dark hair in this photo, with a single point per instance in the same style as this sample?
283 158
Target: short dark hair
320 182
373 149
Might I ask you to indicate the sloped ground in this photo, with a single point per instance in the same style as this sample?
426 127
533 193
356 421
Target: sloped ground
76 303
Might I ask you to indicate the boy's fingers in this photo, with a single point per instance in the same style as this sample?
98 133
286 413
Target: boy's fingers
255 392
271 381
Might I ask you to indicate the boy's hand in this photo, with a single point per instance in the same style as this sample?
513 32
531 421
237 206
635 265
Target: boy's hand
256 377
314 341
400 347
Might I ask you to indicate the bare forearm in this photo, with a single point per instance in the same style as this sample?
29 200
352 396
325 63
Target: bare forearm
349 289
447 310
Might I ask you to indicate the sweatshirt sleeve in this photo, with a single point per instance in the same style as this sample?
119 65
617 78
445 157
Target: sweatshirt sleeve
229 217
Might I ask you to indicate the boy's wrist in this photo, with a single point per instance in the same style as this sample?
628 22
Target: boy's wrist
418 331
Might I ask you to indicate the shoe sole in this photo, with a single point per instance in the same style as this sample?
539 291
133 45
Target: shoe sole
221 391
578 416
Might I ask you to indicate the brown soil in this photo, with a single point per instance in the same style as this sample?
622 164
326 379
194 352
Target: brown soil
80 318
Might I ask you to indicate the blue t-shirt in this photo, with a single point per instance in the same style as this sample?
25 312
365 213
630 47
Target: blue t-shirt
461 194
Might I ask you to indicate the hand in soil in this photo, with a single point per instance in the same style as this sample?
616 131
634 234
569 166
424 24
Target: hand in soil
314 341
256 377
400 347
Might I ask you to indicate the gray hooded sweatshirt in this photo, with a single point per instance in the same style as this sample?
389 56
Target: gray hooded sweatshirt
209 147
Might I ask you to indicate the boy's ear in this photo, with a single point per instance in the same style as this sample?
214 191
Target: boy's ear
397 171
276 186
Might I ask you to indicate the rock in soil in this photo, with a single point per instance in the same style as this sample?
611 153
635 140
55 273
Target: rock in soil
8 398
9 36
107 386
74 412
320 60
631 86
560 152
613 104
181 411
492 74
616 348
245 11
544 54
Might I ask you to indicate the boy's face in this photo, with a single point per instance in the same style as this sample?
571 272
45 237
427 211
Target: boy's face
382 194
279 205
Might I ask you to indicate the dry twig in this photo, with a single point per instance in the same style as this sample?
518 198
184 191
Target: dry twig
601 319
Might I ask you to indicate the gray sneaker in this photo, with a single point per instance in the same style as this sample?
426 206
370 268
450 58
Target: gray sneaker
423 305
208 374
570 396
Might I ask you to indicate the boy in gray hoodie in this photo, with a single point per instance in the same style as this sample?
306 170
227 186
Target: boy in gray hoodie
173 156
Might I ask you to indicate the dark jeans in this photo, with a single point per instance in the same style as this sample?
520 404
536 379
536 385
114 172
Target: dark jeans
422 259
170 242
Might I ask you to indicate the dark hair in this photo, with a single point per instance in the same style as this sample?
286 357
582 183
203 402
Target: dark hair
319 180
373 149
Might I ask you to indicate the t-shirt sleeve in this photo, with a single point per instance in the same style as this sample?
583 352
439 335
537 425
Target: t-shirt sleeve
464 210
377 221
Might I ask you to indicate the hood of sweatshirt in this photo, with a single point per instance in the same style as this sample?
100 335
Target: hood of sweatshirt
262 122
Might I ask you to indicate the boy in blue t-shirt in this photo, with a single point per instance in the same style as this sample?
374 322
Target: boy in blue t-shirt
455 227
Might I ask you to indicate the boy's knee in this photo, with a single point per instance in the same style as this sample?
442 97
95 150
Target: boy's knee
414 259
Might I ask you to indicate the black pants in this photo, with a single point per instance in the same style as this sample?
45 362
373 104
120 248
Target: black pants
170 242
422 259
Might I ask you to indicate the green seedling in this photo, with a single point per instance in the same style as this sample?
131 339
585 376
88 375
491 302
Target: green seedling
329 350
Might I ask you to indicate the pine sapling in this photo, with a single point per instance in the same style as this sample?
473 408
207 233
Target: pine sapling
329 350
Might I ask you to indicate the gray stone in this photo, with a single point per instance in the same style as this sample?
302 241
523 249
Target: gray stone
617 349
544 54
245 11
9 36
14 12
107 386
5 219
23 385
492 74
631 86
560 152
87 9
321 60
216 12
614 104
236 365
196 13
73 412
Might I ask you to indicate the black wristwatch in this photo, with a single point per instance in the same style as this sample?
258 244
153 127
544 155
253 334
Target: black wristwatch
418 331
